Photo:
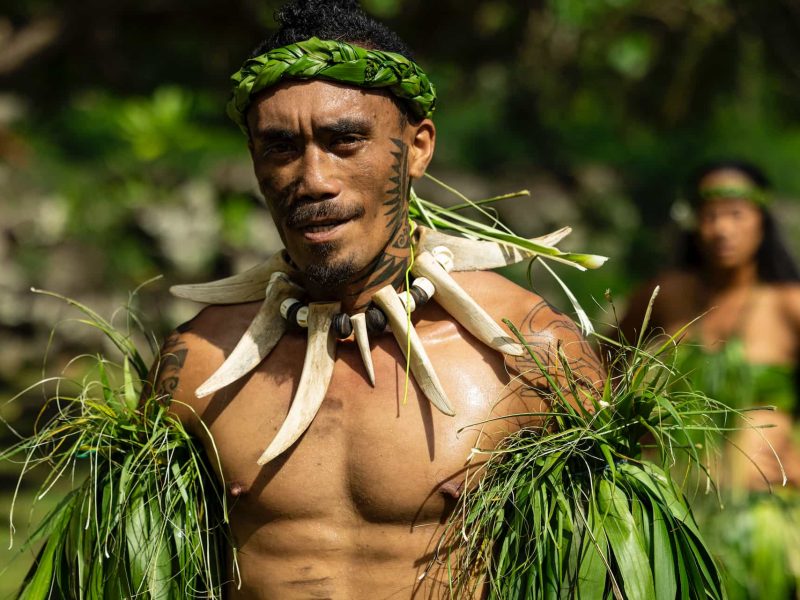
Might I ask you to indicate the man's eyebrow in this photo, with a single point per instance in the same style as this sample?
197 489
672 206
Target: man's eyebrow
340 126
274 133
348 125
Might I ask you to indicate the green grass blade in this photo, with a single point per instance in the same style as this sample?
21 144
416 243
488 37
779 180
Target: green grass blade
594 566
666 585
625 542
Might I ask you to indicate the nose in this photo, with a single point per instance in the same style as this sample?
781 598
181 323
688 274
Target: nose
725 227
317 178
714 225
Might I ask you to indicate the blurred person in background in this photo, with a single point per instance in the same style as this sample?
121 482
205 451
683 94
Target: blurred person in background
736 273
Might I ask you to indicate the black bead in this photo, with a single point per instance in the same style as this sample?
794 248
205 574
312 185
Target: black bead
419 295
376 320
342 325
291 315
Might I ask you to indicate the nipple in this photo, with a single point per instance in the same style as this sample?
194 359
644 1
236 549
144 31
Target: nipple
450 489
237 489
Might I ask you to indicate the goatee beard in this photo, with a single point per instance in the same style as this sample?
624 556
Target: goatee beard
323 274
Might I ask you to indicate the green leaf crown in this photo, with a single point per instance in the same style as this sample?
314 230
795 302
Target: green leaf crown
734 192
334 61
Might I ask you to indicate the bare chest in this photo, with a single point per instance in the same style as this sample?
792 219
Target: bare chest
755 317
379 454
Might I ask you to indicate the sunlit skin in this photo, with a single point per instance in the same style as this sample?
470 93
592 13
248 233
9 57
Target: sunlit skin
734 303
355 508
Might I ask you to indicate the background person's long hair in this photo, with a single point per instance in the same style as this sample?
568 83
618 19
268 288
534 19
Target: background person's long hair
775 262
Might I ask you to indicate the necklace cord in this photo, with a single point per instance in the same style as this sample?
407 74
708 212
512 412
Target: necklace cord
408 322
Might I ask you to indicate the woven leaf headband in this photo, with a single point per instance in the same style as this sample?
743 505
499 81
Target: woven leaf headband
734 192
335 61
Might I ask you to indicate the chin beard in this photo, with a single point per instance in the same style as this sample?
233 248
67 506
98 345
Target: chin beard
325 273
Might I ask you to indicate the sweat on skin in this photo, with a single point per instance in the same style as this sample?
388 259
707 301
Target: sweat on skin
354 509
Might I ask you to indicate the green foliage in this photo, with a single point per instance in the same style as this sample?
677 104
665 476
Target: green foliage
148 521
383 8
573 508
758 539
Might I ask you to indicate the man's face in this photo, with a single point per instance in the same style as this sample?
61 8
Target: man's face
730 229
332 163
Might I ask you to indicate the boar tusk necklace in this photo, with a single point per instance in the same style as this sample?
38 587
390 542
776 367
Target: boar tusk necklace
272 282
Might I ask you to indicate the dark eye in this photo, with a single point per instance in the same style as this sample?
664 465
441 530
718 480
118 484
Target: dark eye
277 149
347 140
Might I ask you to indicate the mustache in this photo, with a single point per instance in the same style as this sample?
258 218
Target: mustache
300 214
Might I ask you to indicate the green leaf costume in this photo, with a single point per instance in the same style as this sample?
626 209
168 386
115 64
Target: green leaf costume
757 534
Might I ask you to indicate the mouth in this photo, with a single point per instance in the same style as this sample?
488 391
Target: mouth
322 230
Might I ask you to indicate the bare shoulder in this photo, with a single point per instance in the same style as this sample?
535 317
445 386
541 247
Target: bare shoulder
501 297
551 334
789 296
193 350
675 300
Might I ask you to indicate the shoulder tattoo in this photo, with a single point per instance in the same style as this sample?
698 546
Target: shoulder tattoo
167 370
562 353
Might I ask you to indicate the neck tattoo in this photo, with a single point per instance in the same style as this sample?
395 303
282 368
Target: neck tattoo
389 267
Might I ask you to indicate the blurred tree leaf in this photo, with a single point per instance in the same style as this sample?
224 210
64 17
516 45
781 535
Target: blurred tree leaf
631 55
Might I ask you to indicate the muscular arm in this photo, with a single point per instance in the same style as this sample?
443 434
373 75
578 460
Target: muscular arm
557 354
552 336
164 379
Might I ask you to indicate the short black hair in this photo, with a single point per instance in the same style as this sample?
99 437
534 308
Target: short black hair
341 20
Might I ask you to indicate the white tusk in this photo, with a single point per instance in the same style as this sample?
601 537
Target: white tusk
244 287
262 335
481 255
359 322
421 367
314 380
451 297
551 239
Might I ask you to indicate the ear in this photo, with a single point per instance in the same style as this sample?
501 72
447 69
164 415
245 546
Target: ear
421 147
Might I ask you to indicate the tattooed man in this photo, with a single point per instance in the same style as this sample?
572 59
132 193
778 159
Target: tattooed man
354 507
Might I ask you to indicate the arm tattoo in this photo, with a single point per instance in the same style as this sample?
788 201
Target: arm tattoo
389 266
554 340
167 371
